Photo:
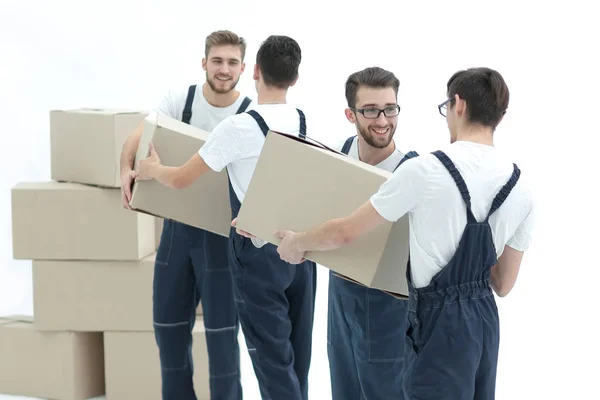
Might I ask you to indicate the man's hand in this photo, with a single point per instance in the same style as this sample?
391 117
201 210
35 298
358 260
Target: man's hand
127 178
288 248
241 232
147 166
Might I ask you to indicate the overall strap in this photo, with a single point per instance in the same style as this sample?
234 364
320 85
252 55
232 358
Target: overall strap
347 145
260 121
244 105
187 110
302 124
458 179
409 155
505 191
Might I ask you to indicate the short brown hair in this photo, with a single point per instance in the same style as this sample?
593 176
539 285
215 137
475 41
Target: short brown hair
373 77
485 92
223 38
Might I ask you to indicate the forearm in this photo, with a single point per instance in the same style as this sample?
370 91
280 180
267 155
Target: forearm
169 176
130 148
329 236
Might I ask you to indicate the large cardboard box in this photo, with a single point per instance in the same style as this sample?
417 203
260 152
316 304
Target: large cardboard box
93 296
86 144
69 221
49 365
205 203
133 365
314 185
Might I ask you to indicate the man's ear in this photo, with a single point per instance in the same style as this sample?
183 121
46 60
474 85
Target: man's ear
350 115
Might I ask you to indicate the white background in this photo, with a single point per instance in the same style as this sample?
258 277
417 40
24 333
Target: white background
70 54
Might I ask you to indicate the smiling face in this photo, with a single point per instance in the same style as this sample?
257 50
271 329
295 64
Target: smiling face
223 66
377 132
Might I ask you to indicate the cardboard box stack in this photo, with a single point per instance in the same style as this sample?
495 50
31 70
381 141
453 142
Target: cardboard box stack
92 263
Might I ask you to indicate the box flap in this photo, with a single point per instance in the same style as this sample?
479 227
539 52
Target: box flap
16 320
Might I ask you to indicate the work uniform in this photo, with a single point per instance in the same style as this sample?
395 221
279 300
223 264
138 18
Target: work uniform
456 236
191 267
453 326
366 328
275 300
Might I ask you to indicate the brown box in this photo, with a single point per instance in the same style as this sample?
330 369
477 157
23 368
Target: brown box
205 203
133 366
69 221
93 296
49 365
86 144
313 186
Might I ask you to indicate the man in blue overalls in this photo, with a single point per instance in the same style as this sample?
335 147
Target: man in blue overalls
192 264
275 300
365 330
471 219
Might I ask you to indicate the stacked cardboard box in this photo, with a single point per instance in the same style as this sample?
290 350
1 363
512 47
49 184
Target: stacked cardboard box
93 264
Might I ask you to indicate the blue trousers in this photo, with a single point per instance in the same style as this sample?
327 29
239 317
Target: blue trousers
275 302
192 266
365 342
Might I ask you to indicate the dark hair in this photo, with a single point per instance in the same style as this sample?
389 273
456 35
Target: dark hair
485 92
223 38
278 59
373 77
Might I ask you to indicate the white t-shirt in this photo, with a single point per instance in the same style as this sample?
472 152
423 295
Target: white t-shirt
237 142
389 164
204 115
423 188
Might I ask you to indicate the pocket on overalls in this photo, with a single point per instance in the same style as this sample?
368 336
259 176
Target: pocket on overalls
386 319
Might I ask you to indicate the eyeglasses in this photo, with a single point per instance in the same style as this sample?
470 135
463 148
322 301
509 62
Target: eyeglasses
374 113
444 107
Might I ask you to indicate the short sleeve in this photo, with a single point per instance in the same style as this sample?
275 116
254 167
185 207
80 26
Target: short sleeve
402 192
170 105
521 240
222 147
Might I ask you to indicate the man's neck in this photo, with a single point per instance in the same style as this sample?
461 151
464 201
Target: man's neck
269 95
476 134
219 99
372 155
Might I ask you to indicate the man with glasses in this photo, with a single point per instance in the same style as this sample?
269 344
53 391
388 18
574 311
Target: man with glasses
366 327
471 220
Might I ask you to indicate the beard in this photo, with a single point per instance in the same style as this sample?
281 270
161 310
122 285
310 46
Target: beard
214 84
376 140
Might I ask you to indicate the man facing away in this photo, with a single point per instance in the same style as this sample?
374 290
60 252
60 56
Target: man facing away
366 327
275 300
191 263
471 219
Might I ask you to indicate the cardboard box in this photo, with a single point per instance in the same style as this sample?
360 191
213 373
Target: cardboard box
93 296
69 221
133 366
205 203
49 365
86 144
313 186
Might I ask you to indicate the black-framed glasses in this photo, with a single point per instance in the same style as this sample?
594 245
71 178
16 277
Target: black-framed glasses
374 113
443 108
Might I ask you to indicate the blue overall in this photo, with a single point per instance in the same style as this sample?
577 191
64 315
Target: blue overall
365 337
275 302
453 333
192 266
